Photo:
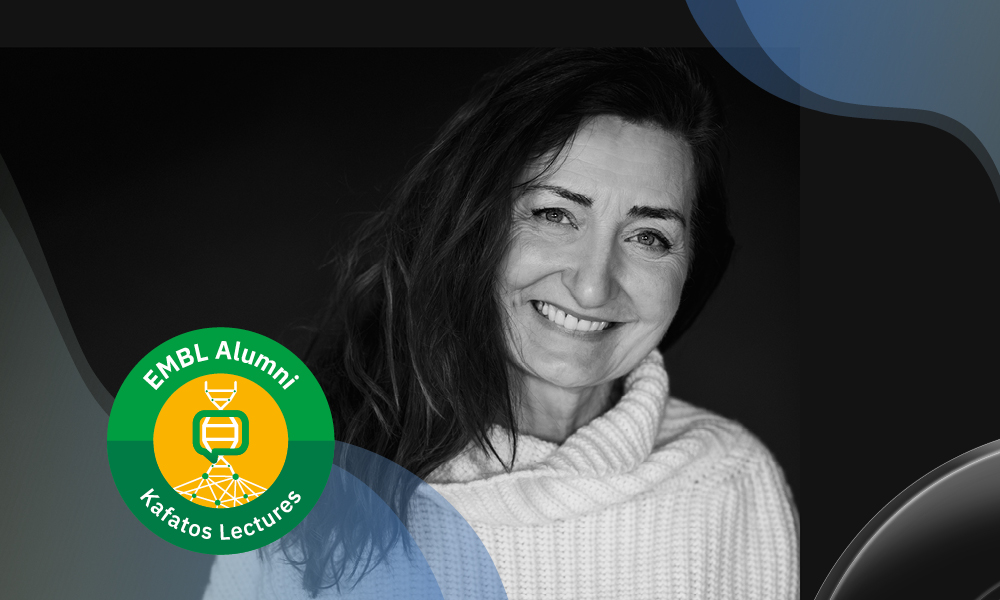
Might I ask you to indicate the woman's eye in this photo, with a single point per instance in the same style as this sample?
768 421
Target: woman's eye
553 215
652 240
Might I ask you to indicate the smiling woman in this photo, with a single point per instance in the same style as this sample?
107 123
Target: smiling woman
597 263
497 331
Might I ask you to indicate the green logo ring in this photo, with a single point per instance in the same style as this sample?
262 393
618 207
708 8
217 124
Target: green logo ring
238 527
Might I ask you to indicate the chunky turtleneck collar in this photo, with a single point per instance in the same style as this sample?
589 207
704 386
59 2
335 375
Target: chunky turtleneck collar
604 462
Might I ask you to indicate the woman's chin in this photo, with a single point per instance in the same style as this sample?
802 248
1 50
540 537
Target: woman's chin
568 375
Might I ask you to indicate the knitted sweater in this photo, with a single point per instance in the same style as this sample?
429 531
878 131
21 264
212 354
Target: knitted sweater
653 499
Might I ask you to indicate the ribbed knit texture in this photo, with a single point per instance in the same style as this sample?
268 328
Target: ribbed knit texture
653 499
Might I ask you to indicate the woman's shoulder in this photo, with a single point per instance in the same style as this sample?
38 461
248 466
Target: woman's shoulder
715 447
723 477
680 417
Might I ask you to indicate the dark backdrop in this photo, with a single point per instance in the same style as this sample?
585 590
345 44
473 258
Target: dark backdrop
174 190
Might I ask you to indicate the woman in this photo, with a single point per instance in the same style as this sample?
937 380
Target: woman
497 332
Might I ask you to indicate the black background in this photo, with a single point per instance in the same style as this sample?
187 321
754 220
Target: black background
149 232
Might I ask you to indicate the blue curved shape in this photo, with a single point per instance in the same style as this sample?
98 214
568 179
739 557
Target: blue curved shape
394 534
920 61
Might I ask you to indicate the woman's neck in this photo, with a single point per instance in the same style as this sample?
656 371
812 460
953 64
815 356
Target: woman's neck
553 413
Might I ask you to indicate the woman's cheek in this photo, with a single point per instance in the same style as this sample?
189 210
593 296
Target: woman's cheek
658 291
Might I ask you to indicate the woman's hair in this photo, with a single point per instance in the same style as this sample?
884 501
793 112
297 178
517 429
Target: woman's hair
411 350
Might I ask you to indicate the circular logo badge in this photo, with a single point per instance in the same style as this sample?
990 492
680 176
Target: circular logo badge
220 441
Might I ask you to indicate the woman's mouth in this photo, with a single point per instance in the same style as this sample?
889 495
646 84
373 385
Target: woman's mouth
568 322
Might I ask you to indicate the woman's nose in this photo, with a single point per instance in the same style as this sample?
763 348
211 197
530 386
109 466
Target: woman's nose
592 278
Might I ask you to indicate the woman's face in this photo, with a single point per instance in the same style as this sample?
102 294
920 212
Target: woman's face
599 254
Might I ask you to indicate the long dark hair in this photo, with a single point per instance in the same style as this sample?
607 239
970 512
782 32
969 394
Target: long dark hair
411 349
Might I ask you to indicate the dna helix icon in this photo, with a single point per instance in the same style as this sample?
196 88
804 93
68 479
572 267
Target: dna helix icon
216 434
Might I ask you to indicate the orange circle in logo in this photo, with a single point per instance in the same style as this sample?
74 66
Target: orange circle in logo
225 459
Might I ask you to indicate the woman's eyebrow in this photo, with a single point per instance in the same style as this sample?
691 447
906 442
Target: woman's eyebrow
648 212
563 193
636 212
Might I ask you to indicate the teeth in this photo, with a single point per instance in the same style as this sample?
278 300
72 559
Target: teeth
568 321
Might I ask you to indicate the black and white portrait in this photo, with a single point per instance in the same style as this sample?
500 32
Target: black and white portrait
560 287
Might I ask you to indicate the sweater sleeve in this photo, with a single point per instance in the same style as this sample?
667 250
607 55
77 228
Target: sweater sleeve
763 534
